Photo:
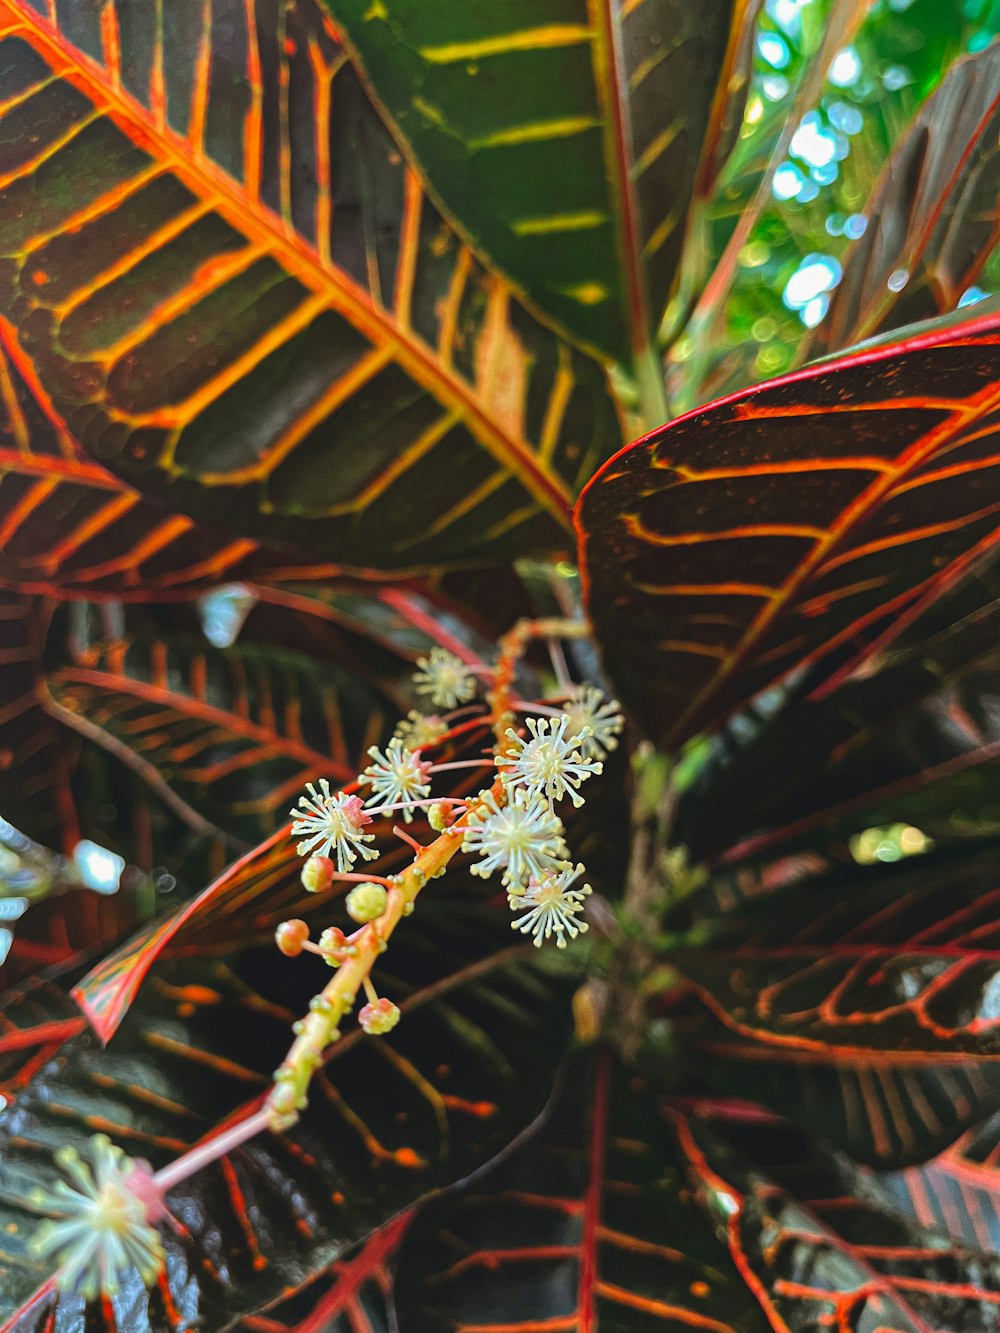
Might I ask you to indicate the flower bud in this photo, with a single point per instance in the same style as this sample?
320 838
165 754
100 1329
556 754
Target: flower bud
379 1017
366 902
439 816
317 874
334 946
291 936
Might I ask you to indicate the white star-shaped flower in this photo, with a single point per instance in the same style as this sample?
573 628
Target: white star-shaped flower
548 764
523 838
446 678
588 708
329 823
553 907
397 775
103 1230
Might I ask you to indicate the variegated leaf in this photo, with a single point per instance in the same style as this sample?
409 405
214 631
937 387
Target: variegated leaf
564 137
760 533
240 299
934 216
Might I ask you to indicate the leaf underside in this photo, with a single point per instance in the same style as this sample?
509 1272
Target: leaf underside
762 532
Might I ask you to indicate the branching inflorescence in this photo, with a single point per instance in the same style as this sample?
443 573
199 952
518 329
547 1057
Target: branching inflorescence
511 827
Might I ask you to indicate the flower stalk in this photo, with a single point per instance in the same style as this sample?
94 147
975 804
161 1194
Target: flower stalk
320 1028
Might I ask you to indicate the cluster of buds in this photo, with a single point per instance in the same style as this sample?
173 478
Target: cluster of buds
512 829
104 1224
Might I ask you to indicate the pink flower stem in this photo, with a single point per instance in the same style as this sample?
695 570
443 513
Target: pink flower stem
461 712
203 1154
523 706
353 877
416 805
485 762
418 847
558 659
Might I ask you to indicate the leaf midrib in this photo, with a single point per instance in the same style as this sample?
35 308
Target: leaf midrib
253 220
189 706
924 447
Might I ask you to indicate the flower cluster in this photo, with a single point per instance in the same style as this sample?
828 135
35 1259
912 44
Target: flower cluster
596 721
101 1226
418 730
445 679
511 829
523 835
104 1230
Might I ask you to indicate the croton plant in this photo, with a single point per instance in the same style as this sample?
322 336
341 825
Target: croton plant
343 630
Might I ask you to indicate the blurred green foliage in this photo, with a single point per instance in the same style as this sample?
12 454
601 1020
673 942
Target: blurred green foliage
818 195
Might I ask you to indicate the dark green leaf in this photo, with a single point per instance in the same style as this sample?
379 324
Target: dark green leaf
34 780
914 739
565 137
234 733
822 1250
958 1193
904 963
391 1121
68 527
240 300
589 1226
883 1114
351 1297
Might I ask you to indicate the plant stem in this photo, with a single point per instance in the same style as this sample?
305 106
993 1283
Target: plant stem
651 388
203 1154
652 816
320 1028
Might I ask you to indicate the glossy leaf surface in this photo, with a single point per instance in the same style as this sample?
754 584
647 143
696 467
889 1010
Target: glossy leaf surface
905 964
914 739
244 904
351 1297
234 733
239 298
933 216
34 787
69 527
588 1227
762 532
958 1193
469 1068
818 1252
883 1114
564 136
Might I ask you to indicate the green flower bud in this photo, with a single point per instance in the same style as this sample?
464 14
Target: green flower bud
366 902
334 946
438 816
